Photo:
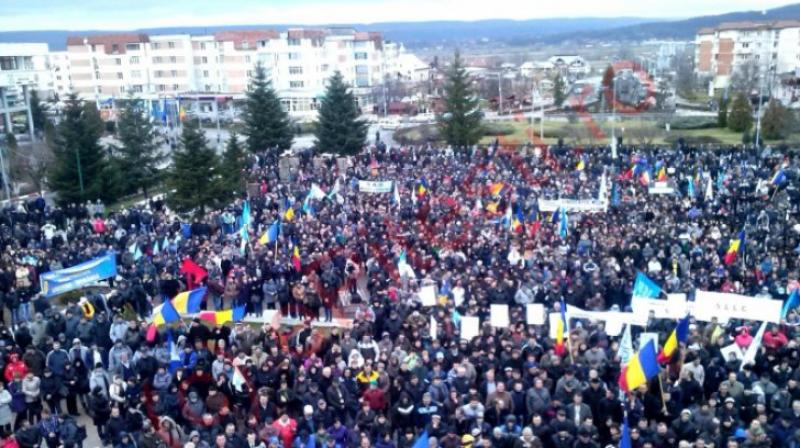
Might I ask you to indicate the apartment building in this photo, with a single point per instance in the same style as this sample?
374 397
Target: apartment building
772 47
23 66
297 61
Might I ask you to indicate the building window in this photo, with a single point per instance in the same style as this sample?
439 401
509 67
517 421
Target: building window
132 47
162 87
249 73
119 75
136 74
296 84
205 73
204 60
121 89
114 48
362 69
175 87
247 59
294 56
208 88
170 44
262 43
294 42
118 61
134 59
94 47
295 70
173 59
155 45
245 45
157 73
136 88
157 60
202 45
361 55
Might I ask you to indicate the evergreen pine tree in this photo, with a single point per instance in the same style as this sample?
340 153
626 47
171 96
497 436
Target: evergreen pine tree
722 114
559 95
777 122
460 124
37 112
233 163
338 128
195 176
79 161
740 117
139 155
266 124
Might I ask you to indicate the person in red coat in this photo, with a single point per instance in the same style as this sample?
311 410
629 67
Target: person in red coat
375 397
15 365
286 428
774 339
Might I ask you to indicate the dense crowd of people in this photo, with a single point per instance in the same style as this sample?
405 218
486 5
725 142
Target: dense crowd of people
370 375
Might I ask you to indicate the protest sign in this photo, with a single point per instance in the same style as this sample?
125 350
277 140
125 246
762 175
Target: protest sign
58 282
708 305
434 328
573 205
374 186
732 352
534 314
499 315
470 327
427 295
661 188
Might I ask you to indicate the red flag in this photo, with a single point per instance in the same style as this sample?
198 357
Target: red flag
152 330
194 273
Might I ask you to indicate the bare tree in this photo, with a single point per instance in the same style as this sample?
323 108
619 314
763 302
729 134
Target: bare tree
745 78
644 134
30 165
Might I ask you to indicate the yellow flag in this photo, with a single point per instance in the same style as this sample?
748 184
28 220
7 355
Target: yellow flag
289 215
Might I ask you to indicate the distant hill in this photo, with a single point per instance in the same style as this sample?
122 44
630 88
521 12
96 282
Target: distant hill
513 32
678 29
410 33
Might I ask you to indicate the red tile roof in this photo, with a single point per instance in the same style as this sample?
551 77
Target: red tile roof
252 37
108 40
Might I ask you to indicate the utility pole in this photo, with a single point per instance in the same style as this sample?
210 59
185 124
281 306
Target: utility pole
500 92
4 173
761 75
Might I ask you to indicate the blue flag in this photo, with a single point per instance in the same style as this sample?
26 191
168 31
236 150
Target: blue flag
791 303
174 356
422 440
625 440
690 188
614 195
273 232
563 224
644 287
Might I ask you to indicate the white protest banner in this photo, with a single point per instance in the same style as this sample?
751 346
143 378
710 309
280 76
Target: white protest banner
613 319
374 186
661 188
573 205
732 352
434 328
470 327
708 305
674 307
644 338
534 314
427 295
498 316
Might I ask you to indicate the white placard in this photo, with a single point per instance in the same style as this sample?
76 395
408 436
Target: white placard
674 307
613 319
573 205
375 186
661 188
731 350
644 338
552 319
470 327
499 315
734 306
434 328
427 295
534 314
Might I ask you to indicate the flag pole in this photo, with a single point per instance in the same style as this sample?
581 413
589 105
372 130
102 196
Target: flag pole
661 390
276 250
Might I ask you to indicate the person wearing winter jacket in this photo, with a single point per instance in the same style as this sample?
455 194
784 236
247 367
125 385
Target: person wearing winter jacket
5 409
100 411
31 388
15 367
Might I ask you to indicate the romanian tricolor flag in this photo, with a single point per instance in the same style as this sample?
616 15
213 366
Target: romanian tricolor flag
223 317
492 207
734 248
298 266
561 328
497 188
581 165
517 222
662 175
422 188
640 369
164 314
678 335
189 301
645 177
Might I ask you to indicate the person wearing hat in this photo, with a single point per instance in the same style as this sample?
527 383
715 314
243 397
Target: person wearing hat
684 427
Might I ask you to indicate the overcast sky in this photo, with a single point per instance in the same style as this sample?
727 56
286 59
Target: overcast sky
131 14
